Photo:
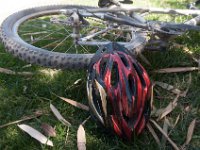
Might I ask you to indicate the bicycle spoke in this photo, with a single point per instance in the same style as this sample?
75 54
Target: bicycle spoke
51 44
61 42
83 49
35 33
66 30
40 32
69 48
42 38
44 21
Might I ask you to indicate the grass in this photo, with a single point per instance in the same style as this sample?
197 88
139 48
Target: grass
21 96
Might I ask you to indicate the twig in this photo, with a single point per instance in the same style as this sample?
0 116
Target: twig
165 129
168 87
67 135
24 119
10 72
151 130
152 96
177 70
144 59
188 86
83 123
189 134
164 97
174 125
165 135
169 108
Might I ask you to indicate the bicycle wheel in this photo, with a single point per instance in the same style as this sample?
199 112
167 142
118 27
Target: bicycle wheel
32 36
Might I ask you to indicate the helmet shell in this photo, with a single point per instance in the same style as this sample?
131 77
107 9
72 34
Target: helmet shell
119 90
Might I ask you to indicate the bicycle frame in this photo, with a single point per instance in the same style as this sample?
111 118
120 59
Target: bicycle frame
137 39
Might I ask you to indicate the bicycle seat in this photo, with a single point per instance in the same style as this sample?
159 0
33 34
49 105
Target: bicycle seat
105 3
126 2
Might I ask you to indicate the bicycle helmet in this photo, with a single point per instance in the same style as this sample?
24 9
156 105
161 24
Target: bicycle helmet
119 91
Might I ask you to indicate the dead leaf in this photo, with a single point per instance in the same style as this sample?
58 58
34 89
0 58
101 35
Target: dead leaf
36 114
187 108
78 81
103 97
32 39
176 45
50 72
164 97
165 129
59 116
151 130
189 133
35 134
40 112
152 96
75 103
165 135
168 87
176 70
157 112
27 66
169 108
188 86
92 31
24 73
7 71
144 59
174 125
48 130
177 119
186 50
83 123
157 92
81 139
66 138
25 89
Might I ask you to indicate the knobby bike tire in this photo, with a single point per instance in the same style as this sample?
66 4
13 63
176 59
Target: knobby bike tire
34 55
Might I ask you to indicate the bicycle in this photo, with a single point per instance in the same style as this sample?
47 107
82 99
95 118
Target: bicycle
79 27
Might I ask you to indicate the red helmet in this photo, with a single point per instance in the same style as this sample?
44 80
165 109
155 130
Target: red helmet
119 90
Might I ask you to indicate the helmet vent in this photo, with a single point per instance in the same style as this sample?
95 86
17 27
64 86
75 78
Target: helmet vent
103 50
132 86
140 73
124 60
97 102
114 75
103 68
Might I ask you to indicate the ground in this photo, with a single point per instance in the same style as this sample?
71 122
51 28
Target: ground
21 95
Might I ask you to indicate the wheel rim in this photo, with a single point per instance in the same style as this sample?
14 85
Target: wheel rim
37 30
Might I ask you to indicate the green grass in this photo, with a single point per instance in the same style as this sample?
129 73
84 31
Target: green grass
21 96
